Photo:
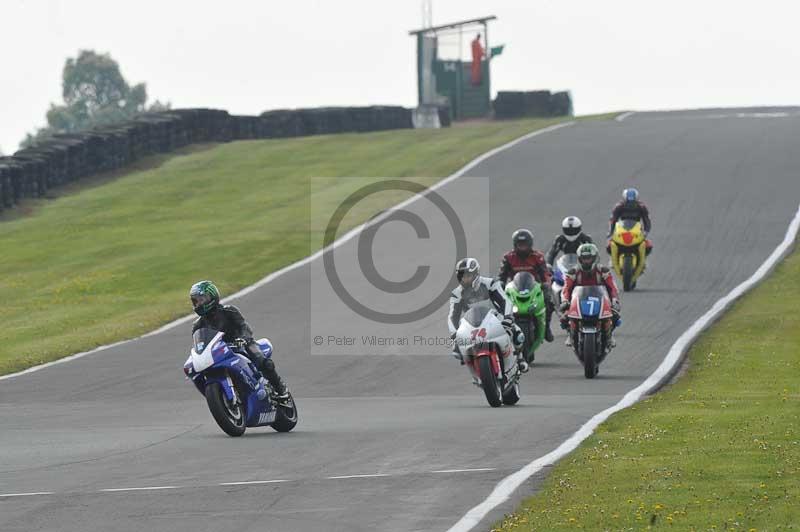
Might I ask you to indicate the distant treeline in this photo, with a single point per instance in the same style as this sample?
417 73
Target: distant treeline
64 158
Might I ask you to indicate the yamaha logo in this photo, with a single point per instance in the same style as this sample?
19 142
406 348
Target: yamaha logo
266 417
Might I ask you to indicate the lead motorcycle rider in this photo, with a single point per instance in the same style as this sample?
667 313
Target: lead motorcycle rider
227 319
472 289
523 258
590 273
630 208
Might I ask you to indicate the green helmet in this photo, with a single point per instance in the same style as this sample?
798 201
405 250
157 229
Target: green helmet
204 296
587 256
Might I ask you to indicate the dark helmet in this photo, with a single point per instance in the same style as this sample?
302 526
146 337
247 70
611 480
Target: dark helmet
468 266
571 227
630 195
522 237
204 296
587 256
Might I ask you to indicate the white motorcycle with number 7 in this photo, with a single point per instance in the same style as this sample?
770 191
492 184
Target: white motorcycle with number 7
489 354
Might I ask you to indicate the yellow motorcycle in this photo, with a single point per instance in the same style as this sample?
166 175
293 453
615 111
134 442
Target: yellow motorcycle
628 251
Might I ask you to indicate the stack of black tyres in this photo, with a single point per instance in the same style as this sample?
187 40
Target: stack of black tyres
518 104
67 157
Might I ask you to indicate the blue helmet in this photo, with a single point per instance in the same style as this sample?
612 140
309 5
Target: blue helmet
630 195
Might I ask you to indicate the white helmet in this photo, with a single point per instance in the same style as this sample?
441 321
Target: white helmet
571 226
471 266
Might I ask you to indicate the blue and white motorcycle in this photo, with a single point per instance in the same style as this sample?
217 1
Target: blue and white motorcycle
564 264
236 392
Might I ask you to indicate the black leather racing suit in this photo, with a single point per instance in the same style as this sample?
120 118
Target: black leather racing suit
562 245
228 319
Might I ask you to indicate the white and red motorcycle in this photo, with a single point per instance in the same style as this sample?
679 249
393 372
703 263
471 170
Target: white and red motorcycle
487 351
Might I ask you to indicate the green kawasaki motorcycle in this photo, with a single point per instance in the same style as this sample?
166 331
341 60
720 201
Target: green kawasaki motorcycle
529 311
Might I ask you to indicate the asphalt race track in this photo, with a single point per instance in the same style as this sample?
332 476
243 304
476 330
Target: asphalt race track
403 442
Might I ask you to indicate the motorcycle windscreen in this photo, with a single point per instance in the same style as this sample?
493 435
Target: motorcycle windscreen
202 337
476 315
523 282
590 299
567 262
628 223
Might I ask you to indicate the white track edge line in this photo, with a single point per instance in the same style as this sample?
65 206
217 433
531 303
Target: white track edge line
623 116
374 475
251 482
674 357
26 494
145 488
476 469
302 262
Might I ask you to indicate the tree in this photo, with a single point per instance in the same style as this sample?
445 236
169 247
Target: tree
94 93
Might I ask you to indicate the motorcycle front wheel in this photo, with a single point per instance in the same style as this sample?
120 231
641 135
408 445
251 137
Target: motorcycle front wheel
528 332
230 417
627 272
589 354
489 382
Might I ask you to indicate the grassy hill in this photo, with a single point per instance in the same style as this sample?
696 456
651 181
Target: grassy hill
115 260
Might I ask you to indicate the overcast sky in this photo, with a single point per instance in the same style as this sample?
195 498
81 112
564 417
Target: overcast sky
248 56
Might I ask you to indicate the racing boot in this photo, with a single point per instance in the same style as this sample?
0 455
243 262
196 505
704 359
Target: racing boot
279 390
611 343
549 308
548 333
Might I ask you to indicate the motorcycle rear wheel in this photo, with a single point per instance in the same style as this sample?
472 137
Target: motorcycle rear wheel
286 417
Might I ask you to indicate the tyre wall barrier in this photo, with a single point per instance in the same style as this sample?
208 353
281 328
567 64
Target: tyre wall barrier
516 104
64 158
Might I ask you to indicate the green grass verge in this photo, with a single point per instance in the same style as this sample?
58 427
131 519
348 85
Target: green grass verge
115 260
718 450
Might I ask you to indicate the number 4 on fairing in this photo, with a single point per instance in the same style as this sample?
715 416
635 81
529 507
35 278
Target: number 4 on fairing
478 333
